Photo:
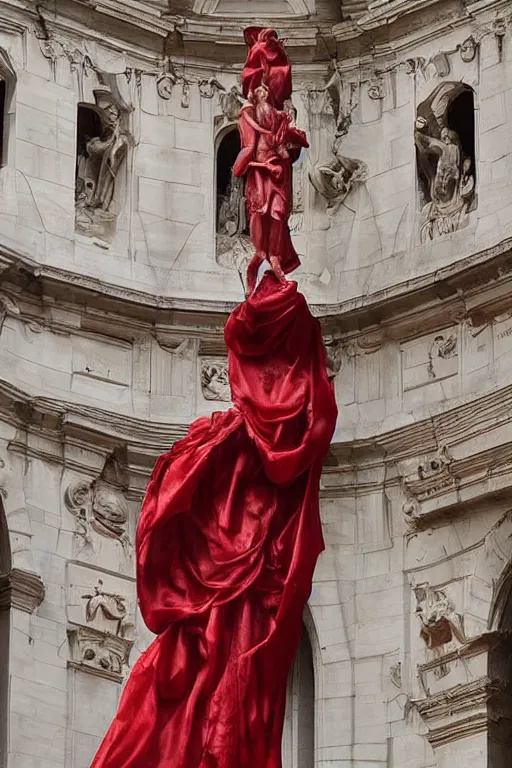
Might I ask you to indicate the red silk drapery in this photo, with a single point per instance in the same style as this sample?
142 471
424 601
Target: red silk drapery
227 542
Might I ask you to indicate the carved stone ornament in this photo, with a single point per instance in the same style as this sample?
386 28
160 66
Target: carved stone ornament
99 653
112 606
100 160
440 624
21 589
214 380
443 348
164 85
336 179
208 88
231 102
468 50
445 162
99 505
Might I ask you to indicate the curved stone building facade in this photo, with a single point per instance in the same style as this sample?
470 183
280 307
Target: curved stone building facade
123 245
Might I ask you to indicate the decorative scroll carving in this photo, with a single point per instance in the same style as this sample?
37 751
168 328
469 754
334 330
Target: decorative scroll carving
21 589
100 504
445 140
99 653
440 624
214 380
100 159
468 49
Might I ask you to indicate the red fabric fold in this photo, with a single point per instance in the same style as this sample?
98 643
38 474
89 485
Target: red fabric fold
227 542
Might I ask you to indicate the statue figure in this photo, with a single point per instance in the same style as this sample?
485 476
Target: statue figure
232 216
98 165
451 183
270 144
334 180
231 103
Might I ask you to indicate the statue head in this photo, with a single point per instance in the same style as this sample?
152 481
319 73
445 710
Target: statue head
109 107
260 94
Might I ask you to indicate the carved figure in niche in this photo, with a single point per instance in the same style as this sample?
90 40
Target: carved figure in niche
336 179
99 161
269 147
445 145
232 218
112 606
232 229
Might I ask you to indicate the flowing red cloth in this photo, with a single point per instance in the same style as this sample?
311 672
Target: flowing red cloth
228 538
267 63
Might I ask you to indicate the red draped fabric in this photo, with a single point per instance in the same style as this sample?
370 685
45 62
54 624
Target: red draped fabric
228 538
268 63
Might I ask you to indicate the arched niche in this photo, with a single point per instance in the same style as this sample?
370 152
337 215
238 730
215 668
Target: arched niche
7 91
5 628
299 725
231 217
446 159
102 144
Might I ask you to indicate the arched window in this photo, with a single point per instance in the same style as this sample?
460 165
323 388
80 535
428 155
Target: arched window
231 212
299 725
500 702
446 159
7 88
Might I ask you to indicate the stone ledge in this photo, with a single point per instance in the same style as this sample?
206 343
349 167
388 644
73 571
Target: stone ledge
22 590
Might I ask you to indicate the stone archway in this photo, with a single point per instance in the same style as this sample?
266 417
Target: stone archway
299 726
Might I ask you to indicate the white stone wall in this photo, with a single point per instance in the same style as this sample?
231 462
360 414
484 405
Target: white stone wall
109 351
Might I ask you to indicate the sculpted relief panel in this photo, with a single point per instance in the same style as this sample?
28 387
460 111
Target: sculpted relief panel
102 147
445 153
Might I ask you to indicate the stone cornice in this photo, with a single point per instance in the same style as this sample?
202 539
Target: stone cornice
21 589
476 289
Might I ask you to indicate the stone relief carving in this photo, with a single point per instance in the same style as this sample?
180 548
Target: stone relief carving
111 606
100 505
468 50
230 103
441 348
440 624
335 178
232 218
99 653
333 357
100 159
214 380
395 674
435 465
445 159
8 307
